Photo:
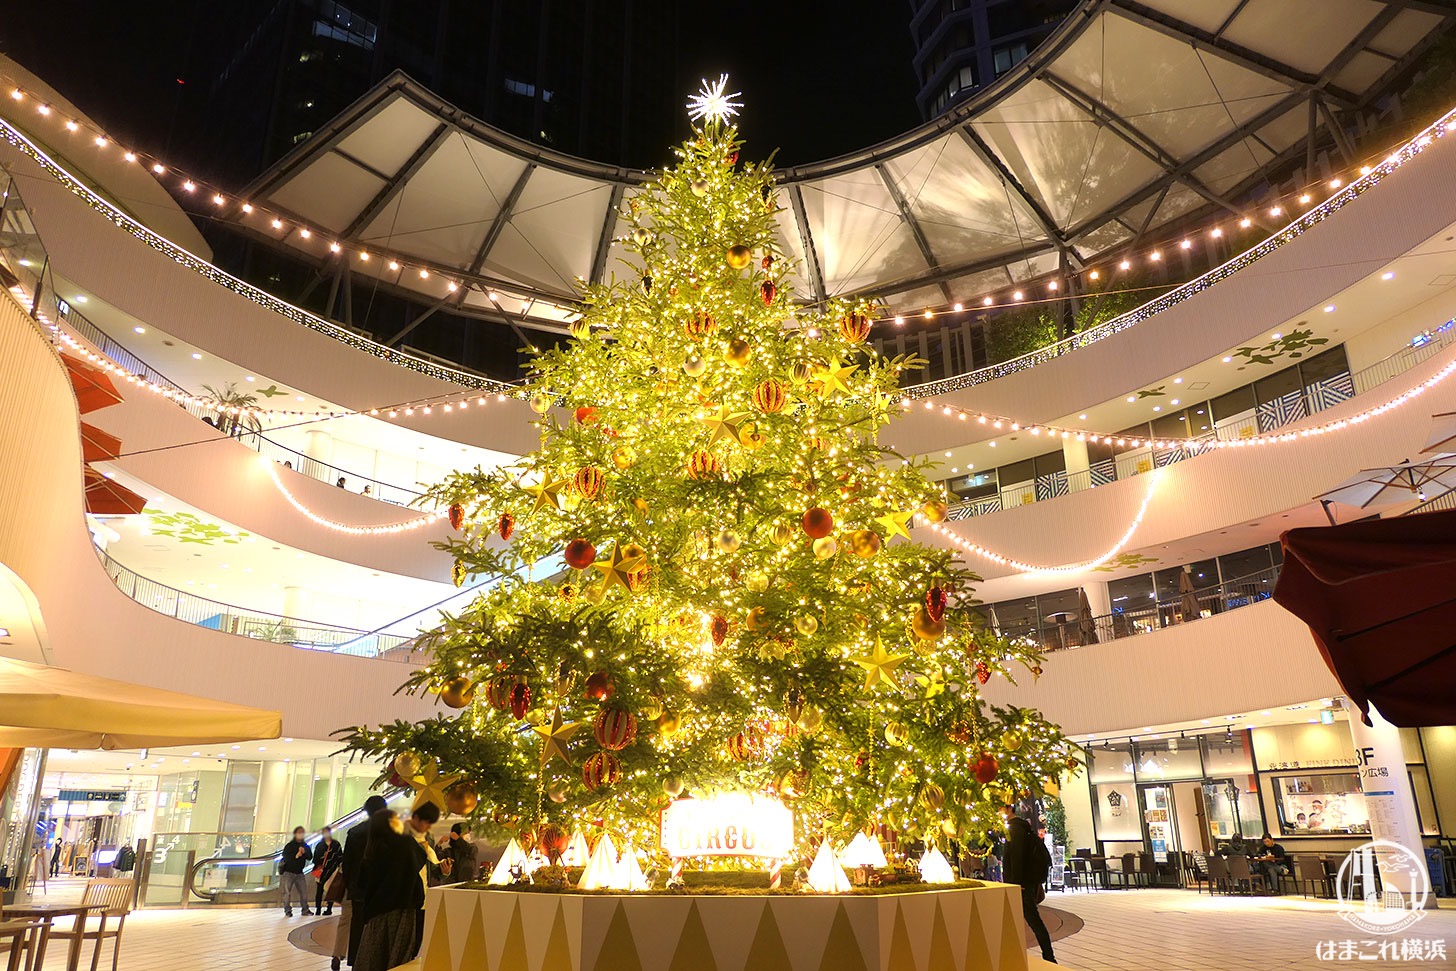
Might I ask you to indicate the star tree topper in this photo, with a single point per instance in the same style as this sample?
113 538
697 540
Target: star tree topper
710 104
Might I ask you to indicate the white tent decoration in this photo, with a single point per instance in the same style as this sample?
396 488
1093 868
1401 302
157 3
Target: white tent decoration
501 875
863 850
601 869
935 868
825 874
629 871
577 852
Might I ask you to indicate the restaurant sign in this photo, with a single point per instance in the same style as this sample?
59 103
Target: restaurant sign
729 824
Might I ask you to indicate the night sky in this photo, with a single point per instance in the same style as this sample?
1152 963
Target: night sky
818 79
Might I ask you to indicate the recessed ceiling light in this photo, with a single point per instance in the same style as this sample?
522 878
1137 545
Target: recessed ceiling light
1329 308
1177 380
1131 398
1388 275
80 298
249 378
1278 336
1227 359
196 356
140 330
1081 417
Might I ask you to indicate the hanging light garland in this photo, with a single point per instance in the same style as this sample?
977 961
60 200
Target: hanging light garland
409 525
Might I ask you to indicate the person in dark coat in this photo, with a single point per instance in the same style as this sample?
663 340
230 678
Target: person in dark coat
355 842
1026 863
328 856
291 867
391 893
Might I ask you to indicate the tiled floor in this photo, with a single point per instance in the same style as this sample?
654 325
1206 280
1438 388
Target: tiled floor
1140 930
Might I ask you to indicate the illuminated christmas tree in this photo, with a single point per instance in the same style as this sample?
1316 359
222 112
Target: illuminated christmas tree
710 579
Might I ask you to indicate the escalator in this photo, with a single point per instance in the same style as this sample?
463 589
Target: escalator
222 879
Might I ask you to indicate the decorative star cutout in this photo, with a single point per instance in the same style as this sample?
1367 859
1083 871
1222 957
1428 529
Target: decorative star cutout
895 523
547 491
879 665
711 104
933 683
430 786
617 569
555 737
725 424
831 379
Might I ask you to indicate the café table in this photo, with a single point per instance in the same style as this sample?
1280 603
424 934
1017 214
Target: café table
47 914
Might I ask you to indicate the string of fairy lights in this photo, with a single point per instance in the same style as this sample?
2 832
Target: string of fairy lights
216 201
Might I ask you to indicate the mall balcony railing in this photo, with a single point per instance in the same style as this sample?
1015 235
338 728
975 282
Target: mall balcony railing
1061 632
1269 416
259 625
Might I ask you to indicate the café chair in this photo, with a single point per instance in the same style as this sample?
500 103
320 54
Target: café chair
1242 874
1197 871
1147 869
19 939
1218 875
1309 873
111 899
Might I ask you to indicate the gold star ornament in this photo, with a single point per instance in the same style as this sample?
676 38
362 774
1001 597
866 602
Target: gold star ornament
831 379
725 424
554 738
617 569
879 665
547 491
430 786
896 523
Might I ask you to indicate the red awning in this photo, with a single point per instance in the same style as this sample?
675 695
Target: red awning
105 497
1380 599
94 389
98 446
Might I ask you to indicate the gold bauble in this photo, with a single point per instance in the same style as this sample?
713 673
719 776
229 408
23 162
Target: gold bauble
462 799
825 547
535 716
948 828
806 624
896 733
580 328
738 353
633 551
799 373
623 458
540 403
756 581
694 366
641 236
932 796
651 710
407 765
556 792
639 504
935 511
700 187
864 542
1011 741
924 626
673 785
728 541
669 723
781 534
739 256
457 692
751 438
757 619
811 720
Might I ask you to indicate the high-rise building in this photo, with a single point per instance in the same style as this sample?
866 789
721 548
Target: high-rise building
584 77
962 45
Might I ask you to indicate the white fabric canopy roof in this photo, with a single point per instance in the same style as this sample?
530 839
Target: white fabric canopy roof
1131 115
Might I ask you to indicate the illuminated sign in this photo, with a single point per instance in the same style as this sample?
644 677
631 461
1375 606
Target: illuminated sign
731 824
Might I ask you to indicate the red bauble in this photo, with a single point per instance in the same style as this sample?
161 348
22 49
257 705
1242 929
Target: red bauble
854 328
769 290
553 841
985 768
585 415
498 693
935 603
601 770
743 746
615 729
599 686
520 699
719 630
580 554
818 523
396 780
983 672
506 526
457 515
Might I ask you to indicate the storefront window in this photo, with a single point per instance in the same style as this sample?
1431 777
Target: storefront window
1173 758
1315 805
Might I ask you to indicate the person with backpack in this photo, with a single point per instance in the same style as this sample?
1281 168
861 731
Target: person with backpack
1026 863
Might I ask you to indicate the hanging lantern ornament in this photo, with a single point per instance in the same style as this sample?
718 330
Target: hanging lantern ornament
458 573
769 290
794 703
457 516
935 603
600 686
719 631
506 525
588 482
520 699
739 256
458 692
983 672
615 729
701 324
768 259
743 747
647 284
498 693
601 771
854 328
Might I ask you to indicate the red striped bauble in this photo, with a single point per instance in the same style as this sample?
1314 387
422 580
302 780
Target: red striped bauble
600 771
588 482
854 327
615 729
701 325
498 693
743 746
770 396
703 465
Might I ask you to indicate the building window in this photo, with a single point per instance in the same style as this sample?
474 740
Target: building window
1005 58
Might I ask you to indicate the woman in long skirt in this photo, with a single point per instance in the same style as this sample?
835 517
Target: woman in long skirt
392 894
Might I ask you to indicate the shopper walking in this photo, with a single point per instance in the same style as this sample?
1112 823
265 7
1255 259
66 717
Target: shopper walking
1026 862
296 855
351 924
328 856
392 892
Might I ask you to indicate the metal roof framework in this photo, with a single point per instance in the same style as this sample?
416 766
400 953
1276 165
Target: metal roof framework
1134 114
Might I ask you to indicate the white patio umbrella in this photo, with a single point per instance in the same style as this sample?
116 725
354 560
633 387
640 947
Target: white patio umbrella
1442 440
1406 482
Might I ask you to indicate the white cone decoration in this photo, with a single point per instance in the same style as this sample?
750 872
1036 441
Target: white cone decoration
629 871
863 851
577 852
826 875
601 869
935 868
501 875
